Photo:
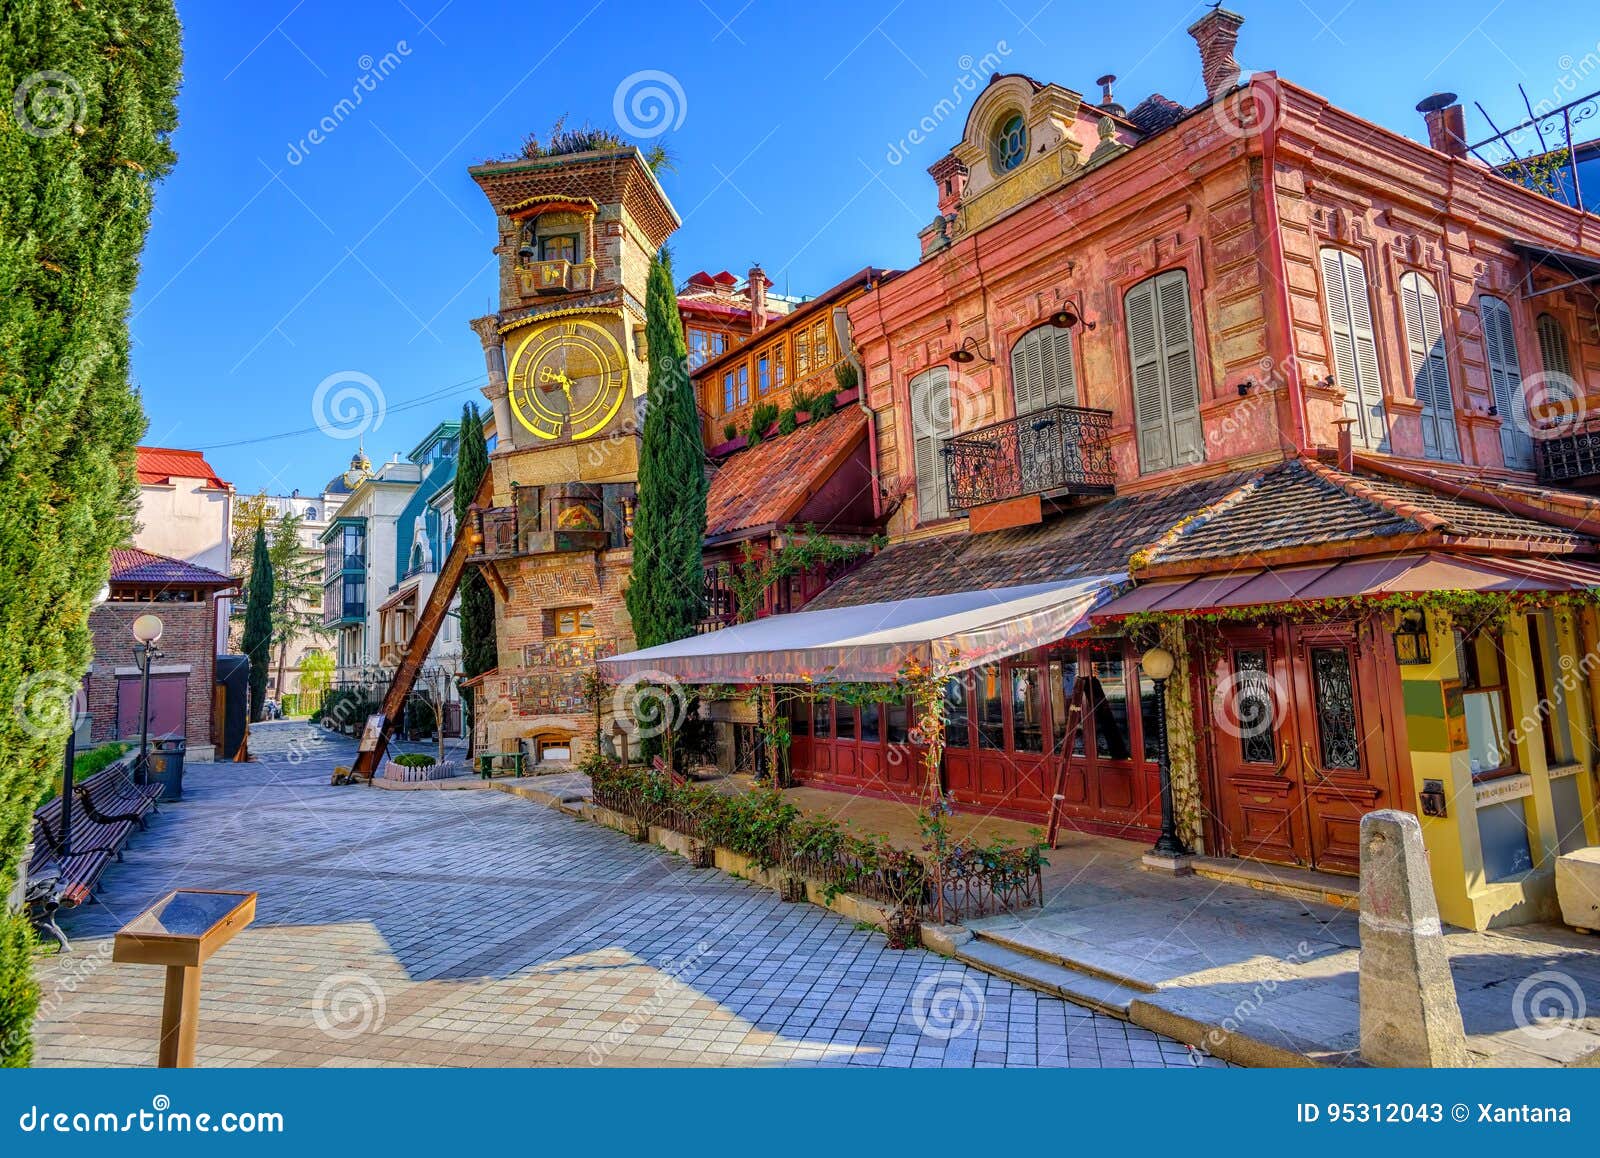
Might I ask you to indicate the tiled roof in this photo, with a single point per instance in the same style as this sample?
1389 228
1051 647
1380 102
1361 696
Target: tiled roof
158 465
1092 539
1303 504
771 481
1156 112
132 565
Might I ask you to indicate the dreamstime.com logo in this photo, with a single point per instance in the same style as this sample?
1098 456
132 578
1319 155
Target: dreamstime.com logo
44 703
649 103
49 103
348 404
649 704
1553 405
1548 1003
948 1005
159 1118
347 1005
1242 704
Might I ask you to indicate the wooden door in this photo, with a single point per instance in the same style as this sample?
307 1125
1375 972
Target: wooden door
1345 766
1254 747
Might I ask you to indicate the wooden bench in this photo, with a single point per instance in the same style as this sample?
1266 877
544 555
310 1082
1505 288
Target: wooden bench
107 808
486 762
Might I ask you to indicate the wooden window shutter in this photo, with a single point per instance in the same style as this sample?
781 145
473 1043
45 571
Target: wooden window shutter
1505 375
1430 371
930 418
1553 347
1042 371
1166 383
1355 347
1178 359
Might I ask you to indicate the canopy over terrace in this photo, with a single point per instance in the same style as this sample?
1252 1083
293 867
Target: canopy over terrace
871 643
1352 578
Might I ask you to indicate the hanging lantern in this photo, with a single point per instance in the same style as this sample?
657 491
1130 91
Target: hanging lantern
1411 647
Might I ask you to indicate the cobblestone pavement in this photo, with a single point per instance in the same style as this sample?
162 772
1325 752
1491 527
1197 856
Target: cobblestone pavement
474 928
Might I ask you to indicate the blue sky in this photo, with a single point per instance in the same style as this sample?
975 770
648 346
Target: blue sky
276 265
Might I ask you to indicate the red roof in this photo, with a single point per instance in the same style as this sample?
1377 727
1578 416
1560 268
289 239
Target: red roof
769 483
158 465
132 565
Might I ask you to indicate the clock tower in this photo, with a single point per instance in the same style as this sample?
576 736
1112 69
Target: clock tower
567 370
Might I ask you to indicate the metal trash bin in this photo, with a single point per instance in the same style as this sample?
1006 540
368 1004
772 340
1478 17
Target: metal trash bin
164 765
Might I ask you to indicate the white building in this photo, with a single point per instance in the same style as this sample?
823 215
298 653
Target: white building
315 512
186 513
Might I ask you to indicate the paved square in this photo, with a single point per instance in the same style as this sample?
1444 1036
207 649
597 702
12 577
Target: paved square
475 928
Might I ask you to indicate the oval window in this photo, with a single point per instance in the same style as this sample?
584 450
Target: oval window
1010 143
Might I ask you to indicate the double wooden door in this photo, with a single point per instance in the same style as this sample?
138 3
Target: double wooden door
1298 742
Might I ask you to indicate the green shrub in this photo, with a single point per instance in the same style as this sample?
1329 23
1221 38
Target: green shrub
762 417
786 422
730 431
846 376
825 405
415 760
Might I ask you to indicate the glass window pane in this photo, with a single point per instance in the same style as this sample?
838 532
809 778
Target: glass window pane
1027 710
799 718
844 722
1149 721
957 713
1503 835
1108 701
822 719
1252 708
898 728
1334 692
1063 681
1486 734
991 710
870 718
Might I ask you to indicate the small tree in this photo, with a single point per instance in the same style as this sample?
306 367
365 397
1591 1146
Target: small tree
316 676
479 652
258 622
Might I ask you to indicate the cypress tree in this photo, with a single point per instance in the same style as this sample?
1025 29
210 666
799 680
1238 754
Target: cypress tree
478 649
89 90
257 641
663 595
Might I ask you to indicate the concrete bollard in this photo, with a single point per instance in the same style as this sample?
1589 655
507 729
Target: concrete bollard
1409 1013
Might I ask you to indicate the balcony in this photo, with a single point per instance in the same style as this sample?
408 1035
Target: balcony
336 613
1058 450
1568 453
554 277
556 519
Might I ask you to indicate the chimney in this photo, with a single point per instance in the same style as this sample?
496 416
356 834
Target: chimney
1216 33
757 291
1347 448
1107 101
1447 124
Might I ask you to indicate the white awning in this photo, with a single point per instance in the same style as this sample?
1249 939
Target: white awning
870 643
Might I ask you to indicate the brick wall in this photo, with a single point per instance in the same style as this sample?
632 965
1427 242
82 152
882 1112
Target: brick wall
188 638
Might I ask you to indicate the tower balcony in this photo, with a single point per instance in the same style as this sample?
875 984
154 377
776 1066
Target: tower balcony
555 519
557 276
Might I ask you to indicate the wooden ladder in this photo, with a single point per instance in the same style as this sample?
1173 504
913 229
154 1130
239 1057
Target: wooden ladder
427 630
1077 713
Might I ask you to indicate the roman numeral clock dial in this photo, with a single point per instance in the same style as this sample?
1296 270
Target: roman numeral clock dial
568 379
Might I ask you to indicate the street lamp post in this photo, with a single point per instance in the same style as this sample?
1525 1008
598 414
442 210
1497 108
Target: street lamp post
1158 663
146 631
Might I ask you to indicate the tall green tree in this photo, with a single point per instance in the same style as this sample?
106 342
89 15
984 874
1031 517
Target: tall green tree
296 576
663 595
258 606
479 651
88 98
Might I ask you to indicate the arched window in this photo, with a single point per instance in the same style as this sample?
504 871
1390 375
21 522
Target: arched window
1166 384
930 426
1010 143
1042 372
1355 347
1430 370
1505 376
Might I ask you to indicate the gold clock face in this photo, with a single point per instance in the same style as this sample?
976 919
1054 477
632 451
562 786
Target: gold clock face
569 378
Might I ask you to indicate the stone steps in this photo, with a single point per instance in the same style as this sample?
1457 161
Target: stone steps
1029 967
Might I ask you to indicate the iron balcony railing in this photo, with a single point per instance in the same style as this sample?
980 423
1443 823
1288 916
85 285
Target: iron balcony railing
1054 450
1565 454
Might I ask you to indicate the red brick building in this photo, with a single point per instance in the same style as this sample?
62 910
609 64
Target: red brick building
185 597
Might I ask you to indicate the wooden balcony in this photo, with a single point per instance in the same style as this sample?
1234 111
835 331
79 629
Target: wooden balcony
1059 450
555 519
554 277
